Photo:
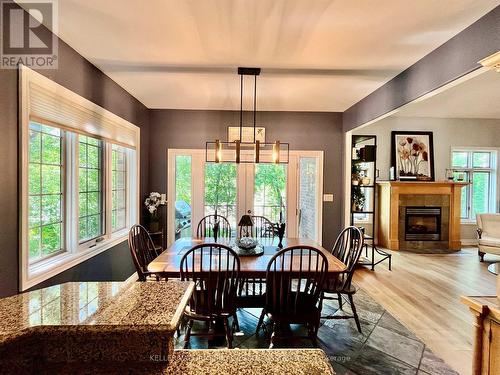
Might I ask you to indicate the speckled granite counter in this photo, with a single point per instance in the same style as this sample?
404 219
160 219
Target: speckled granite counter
90 321
224 362
249 362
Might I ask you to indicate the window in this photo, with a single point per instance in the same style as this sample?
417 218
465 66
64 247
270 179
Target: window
90 190
79 185
196 187
270 191
478 167
220 190
118 188
183 226
46 192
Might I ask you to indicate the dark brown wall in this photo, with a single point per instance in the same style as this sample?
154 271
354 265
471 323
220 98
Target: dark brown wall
303 130
455 58
78 75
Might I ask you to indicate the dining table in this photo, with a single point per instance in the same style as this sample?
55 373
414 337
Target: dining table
167 264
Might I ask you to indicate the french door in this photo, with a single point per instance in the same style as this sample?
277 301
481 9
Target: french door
288 192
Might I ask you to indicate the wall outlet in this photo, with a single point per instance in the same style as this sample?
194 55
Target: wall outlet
327 197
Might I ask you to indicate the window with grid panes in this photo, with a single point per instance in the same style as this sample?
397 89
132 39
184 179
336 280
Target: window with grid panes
478 167
46 192
118 188
90 188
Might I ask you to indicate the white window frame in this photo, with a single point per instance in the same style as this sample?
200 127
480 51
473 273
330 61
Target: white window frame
493 200
245 173
97 122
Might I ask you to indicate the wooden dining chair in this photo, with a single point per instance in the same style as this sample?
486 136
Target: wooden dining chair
251 290
206 227
348 248
214 268
294 279
143 251
262 228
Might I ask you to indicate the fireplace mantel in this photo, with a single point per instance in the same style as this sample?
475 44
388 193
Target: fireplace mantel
389 208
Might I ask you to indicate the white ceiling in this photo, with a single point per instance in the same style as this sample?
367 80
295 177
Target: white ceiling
316 55
478 97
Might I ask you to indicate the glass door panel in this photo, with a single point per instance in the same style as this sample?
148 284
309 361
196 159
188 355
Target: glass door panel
308 200
269 198
183 198
221 191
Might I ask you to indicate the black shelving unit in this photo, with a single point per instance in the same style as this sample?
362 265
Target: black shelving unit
363 196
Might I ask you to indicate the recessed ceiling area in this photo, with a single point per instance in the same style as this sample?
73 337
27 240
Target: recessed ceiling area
315 55
478 97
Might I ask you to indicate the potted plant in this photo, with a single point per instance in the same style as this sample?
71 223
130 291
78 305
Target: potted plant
152 202
358 197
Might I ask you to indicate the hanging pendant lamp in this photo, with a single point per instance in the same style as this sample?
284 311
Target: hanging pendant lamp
240 151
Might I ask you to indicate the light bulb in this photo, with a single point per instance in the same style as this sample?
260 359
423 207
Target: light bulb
276 152
218 151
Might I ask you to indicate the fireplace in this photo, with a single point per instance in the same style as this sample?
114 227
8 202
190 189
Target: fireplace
422 223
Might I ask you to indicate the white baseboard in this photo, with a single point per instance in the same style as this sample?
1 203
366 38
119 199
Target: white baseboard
469 242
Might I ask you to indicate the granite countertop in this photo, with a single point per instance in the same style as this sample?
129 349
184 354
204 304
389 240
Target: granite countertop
222 362
87 321
250 362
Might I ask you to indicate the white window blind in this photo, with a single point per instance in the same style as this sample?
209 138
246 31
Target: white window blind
55 105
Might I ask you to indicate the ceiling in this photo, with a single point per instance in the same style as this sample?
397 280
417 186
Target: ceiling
478 97
315 55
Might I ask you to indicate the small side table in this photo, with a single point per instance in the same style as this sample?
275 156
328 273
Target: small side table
368 260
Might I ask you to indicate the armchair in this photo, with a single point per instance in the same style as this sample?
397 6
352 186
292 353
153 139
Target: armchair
488 234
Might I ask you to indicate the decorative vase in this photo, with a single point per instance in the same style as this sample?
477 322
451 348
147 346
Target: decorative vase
216 230
154 226
281 234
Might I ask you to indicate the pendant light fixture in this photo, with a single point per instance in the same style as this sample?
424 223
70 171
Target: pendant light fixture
240 151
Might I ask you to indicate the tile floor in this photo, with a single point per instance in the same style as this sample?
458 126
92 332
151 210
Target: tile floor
384 347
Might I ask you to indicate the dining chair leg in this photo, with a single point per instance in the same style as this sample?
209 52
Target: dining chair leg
339 297
229 335
353 307
321 298
312 334
261 320
273 335
236 323
188 333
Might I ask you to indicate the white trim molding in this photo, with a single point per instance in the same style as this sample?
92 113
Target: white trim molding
43 100
492 62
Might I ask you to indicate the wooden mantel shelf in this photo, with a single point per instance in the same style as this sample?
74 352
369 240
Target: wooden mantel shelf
423 183
389 203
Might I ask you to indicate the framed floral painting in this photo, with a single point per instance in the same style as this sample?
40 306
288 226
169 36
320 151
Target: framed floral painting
413 155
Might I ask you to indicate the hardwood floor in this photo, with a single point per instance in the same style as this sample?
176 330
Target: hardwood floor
423 292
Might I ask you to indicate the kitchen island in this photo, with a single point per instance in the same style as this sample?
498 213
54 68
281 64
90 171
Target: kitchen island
118 327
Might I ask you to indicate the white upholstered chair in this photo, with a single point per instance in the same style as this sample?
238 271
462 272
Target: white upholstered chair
488 232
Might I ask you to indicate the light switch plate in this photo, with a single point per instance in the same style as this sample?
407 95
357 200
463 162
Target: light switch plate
327 197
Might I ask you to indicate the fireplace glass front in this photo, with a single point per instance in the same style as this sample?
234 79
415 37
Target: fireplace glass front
423 223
